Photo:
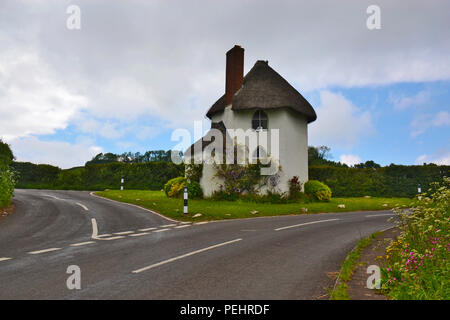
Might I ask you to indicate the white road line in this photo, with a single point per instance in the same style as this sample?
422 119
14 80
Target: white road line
103 235
183 226
380 215
123 232
56 198
187 222
198 223
185 255
82 243
94 228
5 259
161 230
147 229
139 234
167 225
44 251
113 238
304 224
83 206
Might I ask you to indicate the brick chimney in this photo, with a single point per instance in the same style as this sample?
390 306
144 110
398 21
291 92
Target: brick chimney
234 72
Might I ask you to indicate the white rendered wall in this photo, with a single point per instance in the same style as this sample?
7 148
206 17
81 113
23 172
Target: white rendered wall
293 144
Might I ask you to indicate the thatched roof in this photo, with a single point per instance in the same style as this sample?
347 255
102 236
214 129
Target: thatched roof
264 88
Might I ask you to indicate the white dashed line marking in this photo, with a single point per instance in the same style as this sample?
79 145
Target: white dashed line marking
82 244
380 215
161 230
168 225
83 206
147 229
103 235
183 226
304 224
5 259
123 232
56 198
139 234
113 238
44 251
198 223
185 255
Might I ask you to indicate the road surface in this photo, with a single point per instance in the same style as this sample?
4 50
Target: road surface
125 252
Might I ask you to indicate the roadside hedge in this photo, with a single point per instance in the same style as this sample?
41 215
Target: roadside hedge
7 180
145 176
390 181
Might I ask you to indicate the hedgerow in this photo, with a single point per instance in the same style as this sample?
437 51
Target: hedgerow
417 262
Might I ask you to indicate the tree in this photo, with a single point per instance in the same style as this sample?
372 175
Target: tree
368 164
6 155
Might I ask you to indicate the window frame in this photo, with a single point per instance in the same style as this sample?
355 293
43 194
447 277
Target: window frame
261 118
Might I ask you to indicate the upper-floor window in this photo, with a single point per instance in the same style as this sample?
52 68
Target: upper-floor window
259 120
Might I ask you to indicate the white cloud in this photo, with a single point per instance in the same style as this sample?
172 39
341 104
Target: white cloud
404 102
32 99
339 124
58 153
421 123
442 157
349 159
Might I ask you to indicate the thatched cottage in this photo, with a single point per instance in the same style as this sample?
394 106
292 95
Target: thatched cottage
259 102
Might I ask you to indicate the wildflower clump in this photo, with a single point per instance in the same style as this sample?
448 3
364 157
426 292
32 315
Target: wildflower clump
417 262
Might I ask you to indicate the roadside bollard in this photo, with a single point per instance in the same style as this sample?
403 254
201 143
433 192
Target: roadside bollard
185 200
121 183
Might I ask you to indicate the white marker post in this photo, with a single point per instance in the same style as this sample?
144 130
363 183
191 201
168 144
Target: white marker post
419 189
121 183
185 200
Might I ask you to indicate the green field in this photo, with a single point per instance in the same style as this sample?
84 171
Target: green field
218 210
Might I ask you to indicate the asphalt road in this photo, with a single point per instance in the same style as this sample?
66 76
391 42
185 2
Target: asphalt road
125 252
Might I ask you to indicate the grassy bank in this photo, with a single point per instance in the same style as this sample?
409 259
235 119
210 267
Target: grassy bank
217 210
348 267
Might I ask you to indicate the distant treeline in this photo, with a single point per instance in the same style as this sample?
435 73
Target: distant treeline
130 157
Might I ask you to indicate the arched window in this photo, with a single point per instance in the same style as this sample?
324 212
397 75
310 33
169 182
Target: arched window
259 120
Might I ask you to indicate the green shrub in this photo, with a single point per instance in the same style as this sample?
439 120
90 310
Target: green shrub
194 190
318 189
7 176
174 187
7 183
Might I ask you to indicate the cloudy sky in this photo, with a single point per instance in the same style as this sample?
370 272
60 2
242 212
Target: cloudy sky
137 70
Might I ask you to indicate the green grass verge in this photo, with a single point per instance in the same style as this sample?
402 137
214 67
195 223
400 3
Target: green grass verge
348 267
219 210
